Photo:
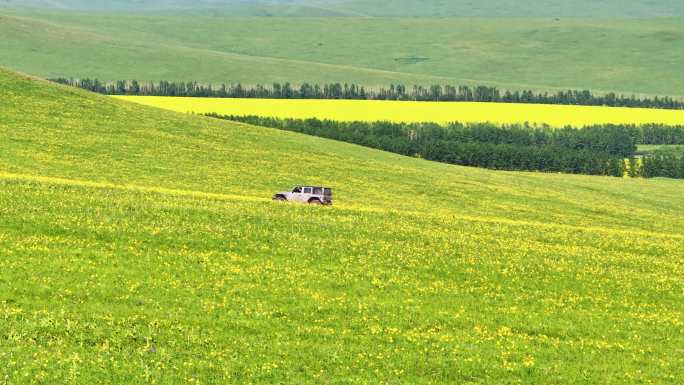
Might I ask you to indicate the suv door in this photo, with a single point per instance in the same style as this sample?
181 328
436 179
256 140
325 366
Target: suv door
306 194
296 194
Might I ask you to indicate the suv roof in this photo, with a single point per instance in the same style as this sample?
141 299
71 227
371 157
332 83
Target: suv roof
306 185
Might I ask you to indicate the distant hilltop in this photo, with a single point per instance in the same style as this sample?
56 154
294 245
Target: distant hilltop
377 8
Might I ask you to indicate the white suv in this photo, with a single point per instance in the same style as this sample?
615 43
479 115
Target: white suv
307 194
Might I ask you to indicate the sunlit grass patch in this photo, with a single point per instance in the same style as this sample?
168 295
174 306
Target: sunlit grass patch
141 246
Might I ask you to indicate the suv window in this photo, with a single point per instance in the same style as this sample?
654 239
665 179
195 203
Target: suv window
297 190
318 191
307 190
328 192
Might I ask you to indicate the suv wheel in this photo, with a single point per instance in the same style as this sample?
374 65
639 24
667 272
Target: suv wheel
315 202
279 198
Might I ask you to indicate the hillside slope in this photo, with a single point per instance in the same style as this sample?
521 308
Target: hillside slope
140 245
630 56
607 9
401 8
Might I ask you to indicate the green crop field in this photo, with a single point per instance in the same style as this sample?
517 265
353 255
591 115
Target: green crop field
141 246
640 56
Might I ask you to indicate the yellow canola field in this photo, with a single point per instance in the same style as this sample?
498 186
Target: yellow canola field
397 111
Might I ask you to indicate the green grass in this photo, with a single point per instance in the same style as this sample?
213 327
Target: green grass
398 8
520 8
669 149
628 56
141 246
231 8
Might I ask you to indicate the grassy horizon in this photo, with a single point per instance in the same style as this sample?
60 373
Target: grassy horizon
376 8
626 56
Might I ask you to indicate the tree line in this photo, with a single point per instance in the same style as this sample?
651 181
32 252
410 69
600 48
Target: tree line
439 93
594 150
660 165
658 134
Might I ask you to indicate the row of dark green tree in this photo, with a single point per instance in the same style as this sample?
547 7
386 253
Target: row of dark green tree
594 150
354 91
658 134
659 165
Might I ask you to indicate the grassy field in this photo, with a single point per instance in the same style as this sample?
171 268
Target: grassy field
630 56
522 8
669 149
400 111
398 8
141 246
231 8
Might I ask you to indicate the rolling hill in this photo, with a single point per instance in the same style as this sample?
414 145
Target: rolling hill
140 245
606 9
628 56
376 8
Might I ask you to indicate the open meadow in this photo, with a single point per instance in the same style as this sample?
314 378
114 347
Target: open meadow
466 240
407 111
141 246
632 55
379 8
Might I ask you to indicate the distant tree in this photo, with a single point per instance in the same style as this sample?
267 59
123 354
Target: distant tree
355 91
